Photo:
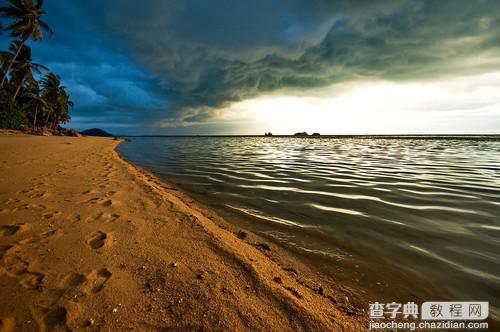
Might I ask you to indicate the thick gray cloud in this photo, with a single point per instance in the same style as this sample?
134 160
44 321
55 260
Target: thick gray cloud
137 63
208 53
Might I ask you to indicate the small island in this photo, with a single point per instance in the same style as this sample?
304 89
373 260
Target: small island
96 132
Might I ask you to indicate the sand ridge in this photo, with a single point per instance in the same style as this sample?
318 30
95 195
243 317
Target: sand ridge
88 241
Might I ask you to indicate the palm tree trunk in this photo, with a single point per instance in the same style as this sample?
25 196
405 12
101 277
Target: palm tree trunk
17 91
34 120
14 59
47 118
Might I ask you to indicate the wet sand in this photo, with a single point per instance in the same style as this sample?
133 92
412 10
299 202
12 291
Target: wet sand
89 241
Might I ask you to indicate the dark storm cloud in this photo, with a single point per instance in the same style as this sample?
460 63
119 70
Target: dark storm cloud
207 54
172 63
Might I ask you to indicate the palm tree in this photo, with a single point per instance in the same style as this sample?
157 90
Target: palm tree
5 58
57 97
27 23
62 115
8 90
36 101
23 67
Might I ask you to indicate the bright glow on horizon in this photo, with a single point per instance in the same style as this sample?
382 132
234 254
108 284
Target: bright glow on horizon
467 105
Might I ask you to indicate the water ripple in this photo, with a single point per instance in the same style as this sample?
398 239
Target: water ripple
425 205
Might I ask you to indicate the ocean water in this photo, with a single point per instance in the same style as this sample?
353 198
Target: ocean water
420 213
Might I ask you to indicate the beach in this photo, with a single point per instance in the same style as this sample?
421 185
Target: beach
88 240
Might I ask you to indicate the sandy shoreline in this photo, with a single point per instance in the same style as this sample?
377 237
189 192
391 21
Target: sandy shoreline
88 240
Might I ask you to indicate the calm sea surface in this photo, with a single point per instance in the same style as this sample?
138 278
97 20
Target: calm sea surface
423 209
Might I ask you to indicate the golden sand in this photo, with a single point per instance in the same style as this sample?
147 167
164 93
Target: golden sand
89 241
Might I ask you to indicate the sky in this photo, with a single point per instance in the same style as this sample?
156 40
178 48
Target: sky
249 67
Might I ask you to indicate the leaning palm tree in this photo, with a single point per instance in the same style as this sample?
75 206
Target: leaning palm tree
26 22
8 89
5 59
23 67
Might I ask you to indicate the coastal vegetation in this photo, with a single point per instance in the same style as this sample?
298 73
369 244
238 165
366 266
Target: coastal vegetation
31 96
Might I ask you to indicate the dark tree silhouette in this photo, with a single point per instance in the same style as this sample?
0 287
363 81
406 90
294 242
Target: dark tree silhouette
21 74
26 22
26 101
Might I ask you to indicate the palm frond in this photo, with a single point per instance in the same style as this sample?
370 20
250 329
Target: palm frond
46 27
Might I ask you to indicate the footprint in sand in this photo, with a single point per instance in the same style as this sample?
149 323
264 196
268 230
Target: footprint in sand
98 200
51 215
9 230
4 249
18 268
40 194
97 279
41 238
31 280
107 217
31 207
25 191
53 319
72 280
90 192
12 201
107 202
97 239
93 200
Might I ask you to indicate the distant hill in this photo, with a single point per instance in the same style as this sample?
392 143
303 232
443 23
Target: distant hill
96 132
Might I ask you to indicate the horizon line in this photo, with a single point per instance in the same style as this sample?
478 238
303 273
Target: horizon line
497 135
